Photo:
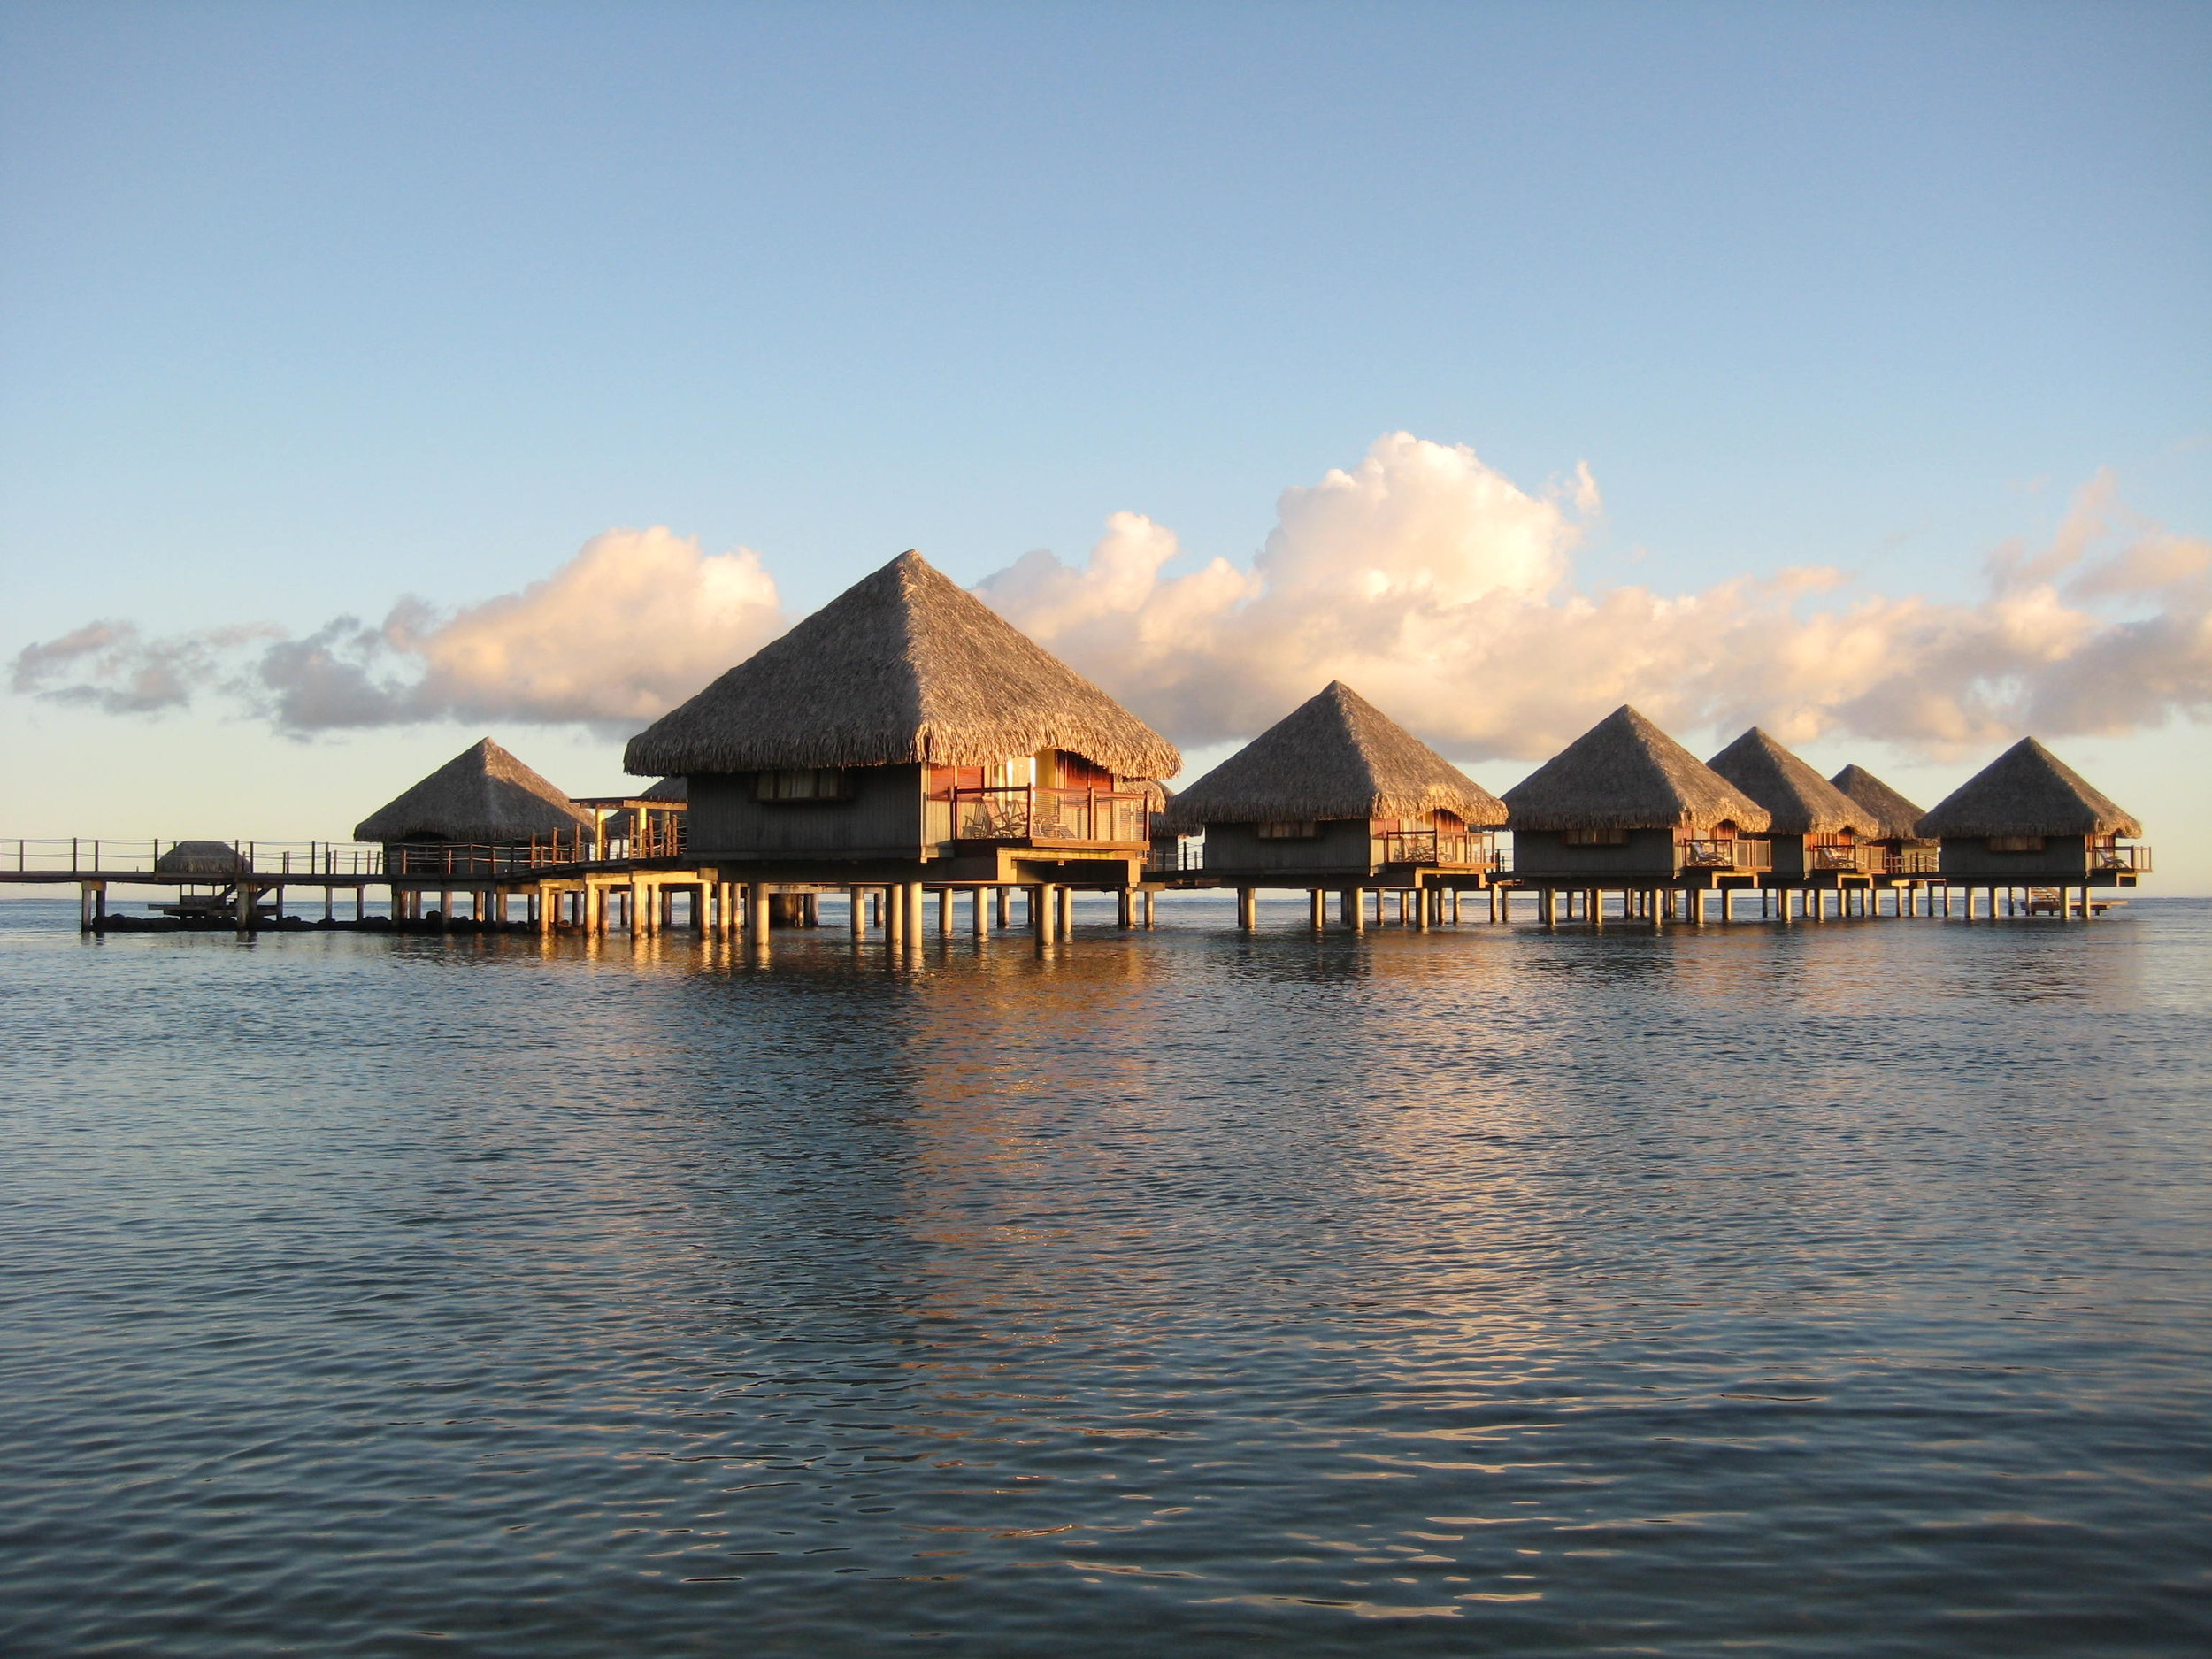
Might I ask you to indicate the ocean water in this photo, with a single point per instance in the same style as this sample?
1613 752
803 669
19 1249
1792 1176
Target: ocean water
1839 1290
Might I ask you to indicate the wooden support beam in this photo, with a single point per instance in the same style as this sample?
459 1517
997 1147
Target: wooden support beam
1248 909
1318 908
1150 916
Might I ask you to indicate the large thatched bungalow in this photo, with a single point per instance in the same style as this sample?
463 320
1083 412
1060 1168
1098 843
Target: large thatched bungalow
1814 829
1338 796
2029 819
1894 846
1626 806
906 732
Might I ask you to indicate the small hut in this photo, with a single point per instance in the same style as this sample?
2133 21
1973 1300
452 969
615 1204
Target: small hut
2028 818
1336 793
1895 848
905 724
1815 828
469 816
1625 805
215 861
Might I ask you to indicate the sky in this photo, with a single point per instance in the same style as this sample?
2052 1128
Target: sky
373 377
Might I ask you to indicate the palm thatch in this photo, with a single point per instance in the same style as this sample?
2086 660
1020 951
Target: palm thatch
1625 774
203 859
482 794
1800 800
1895 818
2027 791
1335 756
904 666
667 790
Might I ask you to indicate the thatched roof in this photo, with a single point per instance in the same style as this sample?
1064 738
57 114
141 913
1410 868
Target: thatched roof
484 795
2027 791
903 666
1802 802
1895 818
1335 756
1625 774
203 859
668 789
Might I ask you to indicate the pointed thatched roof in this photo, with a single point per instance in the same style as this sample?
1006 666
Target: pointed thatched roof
668 789
203 859
2027 791
1335 756
1801 801
483 794
1625 774
903 666
1895 818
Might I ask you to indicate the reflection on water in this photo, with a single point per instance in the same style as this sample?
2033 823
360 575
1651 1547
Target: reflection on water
1828 1291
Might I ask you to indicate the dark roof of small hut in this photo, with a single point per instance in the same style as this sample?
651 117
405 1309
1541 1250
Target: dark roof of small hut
1802 802
1625 774
483 794
203 859
903 667
1335 756
2027 791
1895 818
667 789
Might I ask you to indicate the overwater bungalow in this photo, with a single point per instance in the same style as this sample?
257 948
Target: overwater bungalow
1338 797
2028 819
1625 807
1814 829
907 735
1895 851
481 814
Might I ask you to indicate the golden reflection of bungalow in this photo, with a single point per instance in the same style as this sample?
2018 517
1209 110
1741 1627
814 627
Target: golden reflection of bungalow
1814 829
906 735
2028 819
1338 797
1625 807
478 817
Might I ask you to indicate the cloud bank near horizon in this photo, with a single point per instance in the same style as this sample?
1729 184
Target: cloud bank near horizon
1424 576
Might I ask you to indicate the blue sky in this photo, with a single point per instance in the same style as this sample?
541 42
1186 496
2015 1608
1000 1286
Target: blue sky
303 308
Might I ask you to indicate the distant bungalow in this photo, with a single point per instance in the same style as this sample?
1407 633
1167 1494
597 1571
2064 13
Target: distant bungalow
2028 819
1338 797
478 815
906 733
1624 806
1899 852
1814 828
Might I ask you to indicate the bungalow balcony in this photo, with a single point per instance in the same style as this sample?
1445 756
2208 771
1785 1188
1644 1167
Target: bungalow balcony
1037 815
1451 850
1726 853
2121 858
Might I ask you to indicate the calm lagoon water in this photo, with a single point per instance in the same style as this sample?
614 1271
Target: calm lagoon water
1840 1290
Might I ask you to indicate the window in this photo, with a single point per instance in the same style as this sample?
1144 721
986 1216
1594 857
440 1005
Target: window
2015 843
812 783
1593 837
1304 829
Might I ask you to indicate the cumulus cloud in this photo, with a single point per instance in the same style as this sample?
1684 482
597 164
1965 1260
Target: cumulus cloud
637 621
1437 587
1445 594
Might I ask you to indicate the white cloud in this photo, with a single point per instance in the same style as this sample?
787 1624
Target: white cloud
1424 576
637 621
1446 594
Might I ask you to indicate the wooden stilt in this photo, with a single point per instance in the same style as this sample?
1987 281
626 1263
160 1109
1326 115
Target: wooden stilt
1005 904
1355 908
1248 909
1125 904
1150 916
756 916
1317 908
1044 912
1067 912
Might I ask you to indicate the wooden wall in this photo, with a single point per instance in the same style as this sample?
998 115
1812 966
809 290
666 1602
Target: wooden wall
1343 844
881 819
1648 852
2063 858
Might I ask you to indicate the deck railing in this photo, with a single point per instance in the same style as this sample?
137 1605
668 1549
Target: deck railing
2126 857
1431 848
105 856
1022 812
1740 852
